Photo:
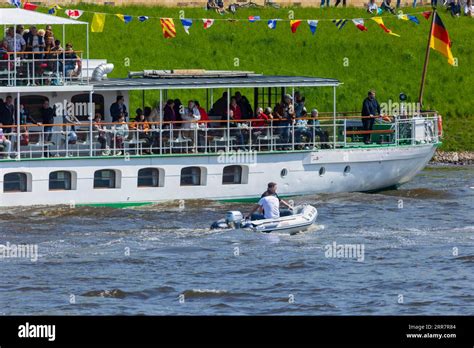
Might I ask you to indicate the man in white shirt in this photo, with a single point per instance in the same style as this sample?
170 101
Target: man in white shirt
269 203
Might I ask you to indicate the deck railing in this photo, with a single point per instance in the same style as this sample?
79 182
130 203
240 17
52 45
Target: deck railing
124 139
41 68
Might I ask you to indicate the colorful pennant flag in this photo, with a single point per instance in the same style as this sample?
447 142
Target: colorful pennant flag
414 19
169 30
294 24
426 14
253 19
379 21
187 24
359 23
440 40
207 22
409 18
16 3
124 18
98 22
272 23
29 6
340 23
143 18
54 9
313 24
74 14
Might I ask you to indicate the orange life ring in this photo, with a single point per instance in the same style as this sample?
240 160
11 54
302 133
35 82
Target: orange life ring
440 126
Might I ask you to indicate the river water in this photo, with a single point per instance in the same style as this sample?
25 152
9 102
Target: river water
415 255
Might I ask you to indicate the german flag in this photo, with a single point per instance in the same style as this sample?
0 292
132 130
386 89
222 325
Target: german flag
440 39
169 30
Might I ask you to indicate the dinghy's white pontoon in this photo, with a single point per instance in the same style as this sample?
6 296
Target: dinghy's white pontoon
302 217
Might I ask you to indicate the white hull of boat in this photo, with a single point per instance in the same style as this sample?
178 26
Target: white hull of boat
344 170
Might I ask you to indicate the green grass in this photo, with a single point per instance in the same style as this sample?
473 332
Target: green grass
376 60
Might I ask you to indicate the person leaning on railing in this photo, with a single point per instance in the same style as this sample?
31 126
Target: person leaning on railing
370 109
47 120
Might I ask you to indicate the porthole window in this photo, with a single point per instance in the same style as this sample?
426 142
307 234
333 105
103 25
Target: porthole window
60 180
191 176
15 182
322 171
347 170
284 173
232 175
148 177
105 179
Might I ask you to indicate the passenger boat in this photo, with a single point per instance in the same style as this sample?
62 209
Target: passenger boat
198 161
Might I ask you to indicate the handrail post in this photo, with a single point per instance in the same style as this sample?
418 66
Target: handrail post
91 117
334 117
161 122
345 130
18 127
228 119
396 129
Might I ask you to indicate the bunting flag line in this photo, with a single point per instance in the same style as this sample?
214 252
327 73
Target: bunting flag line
98 22
439 39
272 23
426 14
29 6
340 23
169 30
74 14
253 19
143 18
313 25
124 18
359 23
294 24
186 24
54 9
207 22
379 21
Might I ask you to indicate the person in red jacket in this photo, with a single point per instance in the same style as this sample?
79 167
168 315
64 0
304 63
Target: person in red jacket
203 113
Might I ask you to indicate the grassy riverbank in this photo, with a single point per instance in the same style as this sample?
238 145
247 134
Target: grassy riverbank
361 60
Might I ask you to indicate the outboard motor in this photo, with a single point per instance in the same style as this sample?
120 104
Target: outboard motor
234 219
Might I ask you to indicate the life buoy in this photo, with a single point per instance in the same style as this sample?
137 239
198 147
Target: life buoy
440 126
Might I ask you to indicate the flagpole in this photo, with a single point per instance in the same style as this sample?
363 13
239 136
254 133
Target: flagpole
427 57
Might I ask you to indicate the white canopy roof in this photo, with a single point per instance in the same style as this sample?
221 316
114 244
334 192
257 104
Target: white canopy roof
17 16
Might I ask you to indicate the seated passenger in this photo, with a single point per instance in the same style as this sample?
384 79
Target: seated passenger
70 131
121 134
264 118
219 108
101 131
323 135
72 62
190 114
5 144
169 114
142 127
244 105
203 114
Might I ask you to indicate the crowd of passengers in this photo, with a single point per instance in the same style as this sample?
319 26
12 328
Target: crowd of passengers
286 123
40 46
